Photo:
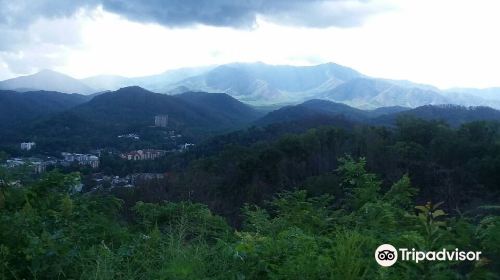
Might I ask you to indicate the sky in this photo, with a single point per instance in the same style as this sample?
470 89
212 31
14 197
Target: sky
446 43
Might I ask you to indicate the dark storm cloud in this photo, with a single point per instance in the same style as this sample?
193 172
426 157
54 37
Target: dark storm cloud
230 13
36 33
20 13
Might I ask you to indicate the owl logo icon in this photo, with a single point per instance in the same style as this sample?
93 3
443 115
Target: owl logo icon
386 255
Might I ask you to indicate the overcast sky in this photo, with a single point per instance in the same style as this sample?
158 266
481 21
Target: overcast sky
446 43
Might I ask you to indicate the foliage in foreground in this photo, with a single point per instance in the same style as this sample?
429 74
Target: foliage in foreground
48 232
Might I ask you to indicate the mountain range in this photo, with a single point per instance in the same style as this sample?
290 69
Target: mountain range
59 120
80 122
135 105
47 80
453 115
263 84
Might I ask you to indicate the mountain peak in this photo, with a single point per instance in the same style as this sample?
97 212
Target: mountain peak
48 80
48 71
132 89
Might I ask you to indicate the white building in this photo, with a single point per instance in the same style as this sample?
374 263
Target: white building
36 164
26 146
186 146
146 154
161 120
82 159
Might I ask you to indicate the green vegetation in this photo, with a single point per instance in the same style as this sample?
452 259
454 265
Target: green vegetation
278 202
459 166
49 232
106 116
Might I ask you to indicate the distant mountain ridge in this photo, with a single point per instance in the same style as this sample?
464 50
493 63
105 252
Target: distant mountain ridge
156 83
454 115
46 80
259 82
265 85
485 93
373 93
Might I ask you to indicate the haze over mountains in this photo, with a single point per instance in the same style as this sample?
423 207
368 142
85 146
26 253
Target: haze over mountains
262 84
156 83
47 80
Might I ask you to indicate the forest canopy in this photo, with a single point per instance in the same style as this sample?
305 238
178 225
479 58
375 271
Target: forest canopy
47 231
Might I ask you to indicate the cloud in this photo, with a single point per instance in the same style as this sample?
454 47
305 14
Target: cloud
243 14
42 43
36 34
177 13
322 14
20 14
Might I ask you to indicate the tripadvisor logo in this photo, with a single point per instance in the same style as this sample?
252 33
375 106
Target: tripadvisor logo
387 255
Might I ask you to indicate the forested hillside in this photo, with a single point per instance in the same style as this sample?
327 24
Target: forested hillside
17 108
225 174
58 121
49 232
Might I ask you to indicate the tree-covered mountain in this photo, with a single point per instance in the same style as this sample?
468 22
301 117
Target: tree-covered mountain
315 108
60 119
99 121
19 107
221 104
387 110
454 115
451 114
135 105
47 80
